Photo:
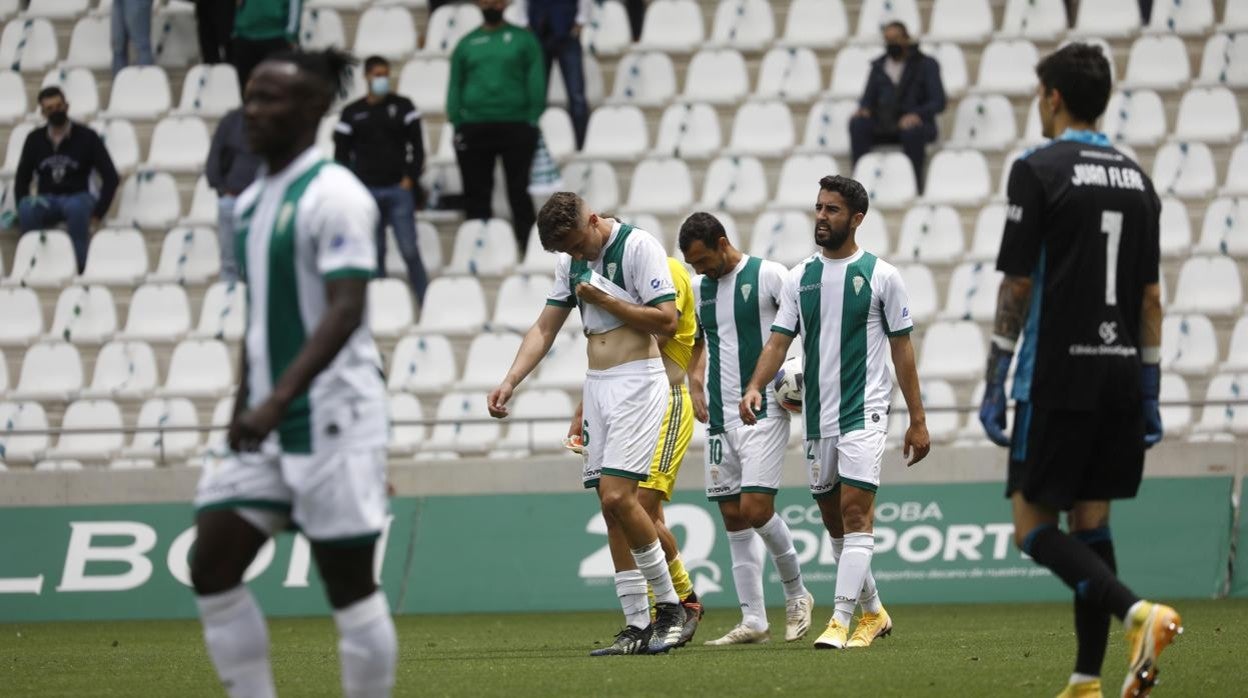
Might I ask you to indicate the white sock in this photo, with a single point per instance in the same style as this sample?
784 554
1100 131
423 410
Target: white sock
367 647
630 586
779 541
653 565
870 597
1082 678
851 573
747 573
238 642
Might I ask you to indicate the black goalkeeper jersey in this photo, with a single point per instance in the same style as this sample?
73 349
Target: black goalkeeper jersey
1083 223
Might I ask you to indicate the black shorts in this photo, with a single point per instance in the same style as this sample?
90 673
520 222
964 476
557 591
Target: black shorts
1059 457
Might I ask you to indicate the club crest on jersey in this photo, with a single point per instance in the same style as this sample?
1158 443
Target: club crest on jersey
611 270
283 216
858 283
745 291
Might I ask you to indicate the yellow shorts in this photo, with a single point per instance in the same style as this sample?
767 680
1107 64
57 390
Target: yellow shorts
674 436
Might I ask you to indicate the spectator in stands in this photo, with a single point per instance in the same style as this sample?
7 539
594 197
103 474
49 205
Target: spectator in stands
496 95
636 16
379 138
903 96
214 21
132 24
231 168
261 29
557 24
62 157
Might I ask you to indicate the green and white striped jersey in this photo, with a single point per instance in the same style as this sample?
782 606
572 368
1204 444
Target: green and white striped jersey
845 309
311 223
734 313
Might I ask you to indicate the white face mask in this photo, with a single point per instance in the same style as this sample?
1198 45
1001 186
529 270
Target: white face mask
380 85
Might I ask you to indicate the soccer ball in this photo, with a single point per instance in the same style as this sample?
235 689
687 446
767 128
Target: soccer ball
788 385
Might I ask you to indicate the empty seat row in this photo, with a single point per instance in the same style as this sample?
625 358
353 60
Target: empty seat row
116 257
137 92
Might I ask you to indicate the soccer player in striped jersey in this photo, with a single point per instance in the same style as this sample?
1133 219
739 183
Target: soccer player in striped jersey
850 307
308 436
737 299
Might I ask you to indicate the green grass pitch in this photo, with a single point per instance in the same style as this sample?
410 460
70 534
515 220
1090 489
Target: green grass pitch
981 650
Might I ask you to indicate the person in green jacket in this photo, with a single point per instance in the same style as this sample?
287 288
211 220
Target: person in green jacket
261 29
496 95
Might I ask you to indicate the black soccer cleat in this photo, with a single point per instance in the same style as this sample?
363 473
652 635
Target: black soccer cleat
669 623
630 640
693 614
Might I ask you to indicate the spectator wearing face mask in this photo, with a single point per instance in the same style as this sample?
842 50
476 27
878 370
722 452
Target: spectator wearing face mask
379 138
904 94
60 158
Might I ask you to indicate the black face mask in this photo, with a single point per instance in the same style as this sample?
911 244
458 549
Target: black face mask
58 118
492 15
894 51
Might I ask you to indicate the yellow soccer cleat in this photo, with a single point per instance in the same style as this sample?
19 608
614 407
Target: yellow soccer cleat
1083 689
871 626
834 636
1150 629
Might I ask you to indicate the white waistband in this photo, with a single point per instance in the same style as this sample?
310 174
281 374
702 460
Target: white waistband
640 367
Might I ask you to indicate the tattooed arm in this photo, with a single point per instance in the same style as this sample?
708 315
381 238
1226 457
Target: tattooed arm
1012 302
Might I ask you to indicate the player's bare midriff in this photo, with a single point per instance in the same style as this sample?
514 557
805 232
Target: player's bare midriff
620 346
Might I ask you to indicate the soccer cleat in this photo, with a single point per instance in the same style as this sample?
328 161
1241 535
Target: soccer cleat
871 626
1083 689
693 614
742 635
630 640
1150 630
834 637
668 624
797 616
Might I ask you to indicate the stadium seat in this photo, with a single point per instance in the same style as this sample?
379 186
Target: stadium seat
424 81
1225 60
423 364
764 129
874 14
389 32
557 94
188 255
321 28
123 370
4 379
203 205
175 41
687 131
790 74
224 312
179 144
827 126
736 184
1137 117
539 422
674 26
1237 354
453 305
564 367
359 5
1157 62
1008 67
1184 170
23 317
448 24
13 152
888 178
44 259
1175 419
716 76
84 315
122 142
13 105
1225 419
850 71
22 417
483 248
489 356
1183 17
558 133
957 177
799 180
116 257
746 25
158 313
9 8
593 181
209 90
1209 115
79 86
1225 228
139 92
984 122
1107 18
786 237
405 439
222 413
1208 285
962 21
644 79
28 45
1176 228
660 186
105 440
56 9
50 371
427 241
942 425
175 414
872 235
1032 131
986 241
953 351
921 287
607 31
1034 19
521 298
90 44
616 133
930 234
149 200
1189 345
1236 182
536 260
199 368
817 24
464 425
389 307
953 72
972 292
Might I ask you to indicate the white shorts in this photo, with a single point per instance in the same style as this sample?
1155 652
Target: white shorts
336 495
624 408
746 459
852 458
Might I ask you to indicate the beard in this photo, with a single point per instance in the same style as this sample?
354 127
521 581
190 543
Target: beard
831 238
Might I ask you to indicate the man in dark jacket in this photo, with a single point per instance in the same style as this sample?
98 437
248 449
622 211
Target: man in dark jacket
62 157
903 96
230 169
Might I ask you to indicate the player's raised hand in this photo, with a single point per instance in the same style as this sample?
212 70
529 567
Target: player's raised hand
751 401
917 443
252 427
591 294
497 401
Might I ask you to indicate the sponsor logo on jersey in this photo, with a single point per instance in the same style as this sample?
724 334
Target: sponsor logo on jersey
905 312
745 291
810 287
1108 332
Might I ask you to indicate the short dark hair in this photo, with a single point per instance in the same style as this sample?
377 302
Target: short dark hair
560 215
1080 72
703 227
331 67
896 24
375 61
49 92
850 189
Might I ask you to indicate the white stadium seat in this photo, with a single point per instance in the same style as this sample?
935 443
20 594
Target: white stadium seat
188 255
81 91
90 44
1114 18
1176 228
984 122
1225 60
50 371
175 42
1137 117
958 177
13 104
565 365
464 425
593 181
1209 115
888 178
786 237
644 79
819 24
874 14
986 241
222 413
930 234
1184 170
105 439
405 438
1225 419
453 305
557 94
799 179
674 26
13 152
122 141
736 184
921 287
972 292
717 76
953 351
139 92
175 414
1185 17
489 356
179 144
689 131
1234 17
764 129
448 24
558 133
23 317
203 205
521 298
1237 355
321 28
28 45
964 21
1225 228
84 315
747 25
827 126
1189 345
953 72
123 370
199 368
149 200
850 71
56 9
158 313
790 74
660 186
616 133
116 257
210 90
872 235
607 31
1008 67
22 417
389 32
389 307
1175 419
1236 182
539 421
4 377
44 259
483 248
224 312
422 364
1208 285
1157 62
424 81
1034 19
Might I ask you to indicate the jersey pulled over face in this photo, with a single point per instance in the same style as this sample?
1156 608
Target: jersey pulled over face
1082 222
845 310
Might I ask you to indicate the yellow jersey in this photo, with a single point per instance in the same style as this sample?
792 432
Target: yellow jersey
680 347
